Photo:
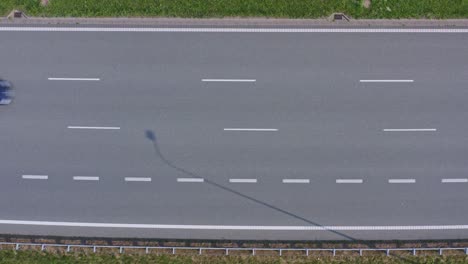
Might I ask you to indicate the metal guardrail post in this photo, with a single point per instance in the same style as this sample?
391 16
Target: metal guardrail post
227 251
281 252
120 250
466 251
42 247
360 252
334 252
440 252
173 251
200 251
17 246
414 252
68 248
94 249
307 252
146 250
253 251
388 252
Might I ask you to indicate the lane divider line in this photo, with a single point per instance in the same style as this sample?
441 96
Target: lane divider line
237 227
386 81
349 181
409 129
296 181
93 127
85 178
35 177
459 180
401 181
73 79
243 180
229 80
137 179
190 180
252 129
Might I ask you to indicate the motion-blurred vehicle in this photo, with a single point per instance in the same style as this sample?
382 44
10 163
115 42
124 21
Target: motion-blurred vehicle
6 92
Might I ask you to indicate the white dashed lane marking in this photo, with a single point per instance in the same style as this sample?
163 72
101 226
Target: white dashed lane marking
459 180
85 178
229 80
93 127
349 181
252 129
243 180
137 179
73 79
386 81
190 180
35 177
401 181
409 129
296 181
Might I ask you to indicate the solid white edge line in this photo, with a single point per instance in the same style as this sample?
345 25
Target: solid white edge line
296 181
73 79
190 180
91 127
401 181
349 181
137 179
459 180
252 129
35 177
239 30
243 180
409 129
386 81
229 80
85 178
238 227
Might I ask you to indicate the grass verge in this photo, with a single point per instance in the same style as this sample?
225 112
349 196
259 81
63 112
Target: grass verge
37 257
438 9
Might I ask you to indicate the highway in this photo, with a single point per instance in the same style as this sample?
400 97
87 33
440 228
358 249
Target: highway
235 135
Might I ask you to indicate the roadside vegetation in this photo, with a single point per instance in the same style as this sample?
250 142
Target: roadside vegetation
37 257
438 9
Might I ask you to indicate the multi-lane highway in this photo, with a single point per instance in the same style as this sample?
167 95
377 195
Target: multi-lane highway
236 135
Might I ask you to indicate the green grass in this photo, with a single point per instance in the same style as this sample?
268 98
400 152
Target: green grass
241 8
36 257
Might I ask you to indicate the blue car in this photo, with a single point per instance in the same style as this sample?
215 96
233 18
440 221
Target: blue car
6 92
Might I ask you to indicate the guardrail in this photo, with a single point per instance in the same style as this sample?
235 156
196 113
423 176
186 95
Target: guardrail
229 251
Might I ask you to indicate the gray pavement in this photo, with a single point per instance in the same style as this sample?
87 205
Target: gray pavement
330 127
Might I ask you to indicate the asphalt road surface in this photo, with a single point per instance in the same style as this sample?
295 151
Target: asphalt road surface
246 135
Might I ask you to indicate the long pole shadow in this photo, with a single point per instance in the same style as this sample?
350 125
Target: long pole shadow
152 137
